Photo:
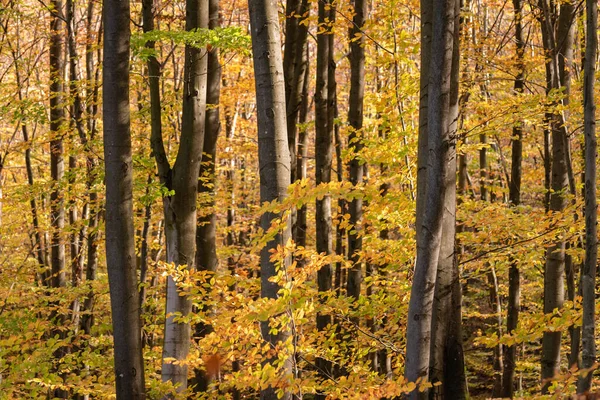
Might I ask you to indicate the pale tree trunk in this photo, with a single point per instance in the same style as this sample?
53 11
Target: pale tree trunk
120 239
180 209
324 156
355 119
273 154
206 233
439 142
447 363
514 274
588 275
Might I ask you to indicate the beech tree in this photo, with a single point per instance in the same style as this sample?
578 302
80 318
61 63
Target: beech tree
273 156
558 47
120 239
436 69
249 312
588 274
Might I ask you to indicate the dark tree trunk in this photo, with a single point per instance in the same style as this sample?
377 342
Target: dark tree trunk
588 275
273 153
57 164
120 240
355 119
301 222
514 274
324 156
554 273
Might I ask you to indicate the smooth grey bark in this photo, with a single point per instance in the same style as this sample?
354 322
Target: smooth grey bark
588 274
206 253
323 158
447 363
419 327
514 195
57 120
422 145
120 240
206 233
273 154
355 120
180 209
554 272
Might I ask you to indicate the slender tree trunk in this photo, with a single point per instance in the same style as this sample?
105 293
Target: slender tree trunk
588 276
92 79
274 157
439 142
120 240
57 164
514 274
206 233
324 156
555 256
355 119
301 222
294 65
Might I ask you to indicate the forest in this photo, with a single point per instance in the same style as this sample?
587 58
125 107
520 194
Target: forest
299 199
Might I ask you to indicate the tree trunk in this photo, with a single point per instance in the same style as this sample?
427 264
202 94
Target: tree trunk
447 363
206 233
273 154
294 65
57 164
355 119
439 142
514 278
301 223
588 276
180 209
555 257
120 240
323 156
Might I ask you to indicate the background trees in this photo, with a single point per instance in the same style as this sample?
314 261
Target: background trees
325 153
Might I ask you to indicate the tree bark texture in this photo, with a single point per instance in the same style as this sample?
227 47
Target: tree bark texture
355 120
554 273
447 363
588 275
180 209
273 153
57 120
206 233
120 240
324 158
439 142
